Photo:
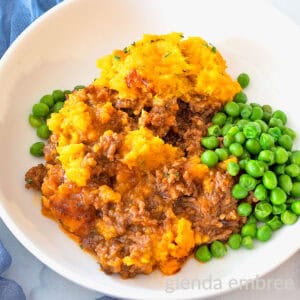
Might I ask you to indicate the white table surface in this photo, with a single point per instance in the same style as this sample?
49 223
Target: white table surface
41 283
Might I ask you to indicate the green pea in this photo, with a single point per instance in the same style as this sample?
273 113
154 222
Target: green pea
230 120
253 146
279 169
36 149
244 209
278 196
275 223
267 108
245 155
35 121
263 125
263 165
275 132
232 109
241 105
280 115
233 168
209 158
264 233
58 106
295 157
285 182
218 249
236 149
241 123
219 119
226 128
278 209
67 92
243 79
240 98
234 241
247 242
281 155
79 87
296 189
262 210
243 163
286 142
252 130
240 138
267 156
266 141
246 112
228 140
247 182
203 254
291 200
47 99
58 95
295 207
43 131
238 192
233 131
248 230
257 113
251 220
210 142
267 116
214 130
288 217
254 168
290 132
40 110
222 153
292 170
253 104
269 180
274 122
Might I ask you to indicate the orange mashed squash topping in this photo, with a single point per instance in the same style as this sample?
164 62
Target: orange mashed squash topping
168 66
123 172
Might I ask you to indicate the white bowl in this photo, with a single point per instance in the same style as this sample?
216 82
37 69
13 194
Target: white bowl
59 51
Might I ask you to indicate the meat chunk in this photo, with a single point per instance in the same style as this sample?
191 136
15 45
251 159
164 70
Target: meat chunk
34 177
160 118
109 143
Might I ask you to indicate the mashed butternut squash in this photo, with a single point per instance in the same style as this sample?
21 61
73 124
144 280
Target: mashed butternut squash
144 150
167 66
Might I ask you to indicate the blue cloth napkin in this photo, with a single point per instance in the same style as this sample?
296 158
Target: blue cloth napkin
9 289
15 16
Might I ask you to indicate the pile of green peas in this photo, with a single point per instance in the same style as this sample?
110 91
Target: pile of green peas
268 169
41 111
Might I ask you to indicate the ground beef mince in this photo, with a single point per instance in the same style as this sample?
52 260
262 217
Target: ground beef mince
122 167
34 177
127 181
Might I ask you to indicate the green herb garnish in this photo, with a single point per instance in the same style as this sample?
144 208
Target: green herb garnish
168 54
